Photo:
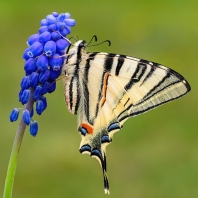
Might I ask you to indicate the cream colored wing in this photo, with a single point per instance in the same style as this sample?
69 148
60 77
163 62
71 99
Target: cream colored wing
114 88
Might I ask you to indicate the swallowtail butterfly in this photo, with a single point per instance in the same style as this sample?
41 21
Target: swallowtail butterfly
106 89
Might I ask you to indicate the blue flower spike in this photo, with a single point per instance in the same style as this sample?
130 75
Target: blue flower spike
44 59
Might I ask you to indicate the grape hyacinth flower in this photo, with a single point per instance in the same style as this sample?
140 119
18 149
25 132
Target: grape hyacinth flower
44 58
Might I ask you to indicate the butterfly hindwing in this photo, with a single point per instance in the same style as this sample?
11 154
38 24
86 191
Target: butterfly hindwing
106 89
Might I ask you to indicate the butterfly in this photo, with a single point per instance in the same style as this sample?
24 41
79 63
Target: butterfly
105 89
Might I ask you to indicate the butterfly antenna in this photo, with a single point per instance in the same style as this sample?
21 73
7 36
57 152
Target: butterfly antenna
106 41
93 37
73 38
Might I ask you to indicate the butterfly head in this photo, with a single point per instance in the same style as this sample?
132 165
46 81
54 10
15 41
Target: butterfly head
76 51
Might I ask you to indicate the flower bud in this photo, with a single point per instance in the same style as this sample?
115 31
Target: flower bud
67 15
26 116
14 115
44 100
44 76
55 36
39 107
37 93
32 39
51 87
35 50
42 62
33 128
56 62
70 22
61 17
30 66
50 19
25 83
25 55
43 22
25 96
43 29
50 48
44 37
34 79
45 87
61 44
63 32
52 28
55 14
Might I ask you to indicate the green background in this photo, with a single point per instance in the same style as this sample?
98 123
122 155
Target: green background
156 154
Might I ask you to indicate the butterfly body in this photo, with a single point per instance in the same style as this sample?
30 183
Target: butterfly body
105 89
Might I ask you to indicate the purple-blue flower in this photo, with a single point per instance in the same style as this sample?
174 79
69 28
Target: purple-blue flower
40 107
25 83
44 37
34 79
37 92
51 87
32 39
35 50
61 44
30 66
26 116
56 62
14 115
50 48
33 128
44 59
25 96
44 76
42 63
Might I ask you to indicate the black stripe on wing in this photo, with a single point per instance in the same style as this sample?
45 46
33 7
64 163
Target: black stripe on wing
154 106
152 70
85 85
121 60
136 77
109 62
153 92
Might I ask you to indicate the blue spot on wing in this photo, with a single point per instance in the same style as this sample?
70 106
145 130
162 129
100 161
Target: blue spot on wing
113 126
105 139
85 148
83 131
97 153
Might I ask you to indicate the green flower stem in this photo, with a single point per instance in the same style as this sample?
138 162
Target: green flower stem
15 152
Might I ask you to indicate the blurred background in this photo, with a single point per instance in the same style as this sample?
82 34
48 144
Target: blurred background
155 155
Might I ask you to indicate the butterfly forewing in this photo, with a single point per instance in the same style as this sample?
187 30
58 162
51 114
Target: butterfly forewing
106 89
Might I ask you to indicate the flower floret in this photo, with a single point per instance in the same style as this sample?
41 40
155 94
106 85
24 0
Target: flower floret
33 128
14 115
26 116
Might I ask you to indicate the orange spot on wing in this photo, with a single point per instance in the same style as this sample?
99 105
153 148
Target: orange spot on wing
104 90
88 127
